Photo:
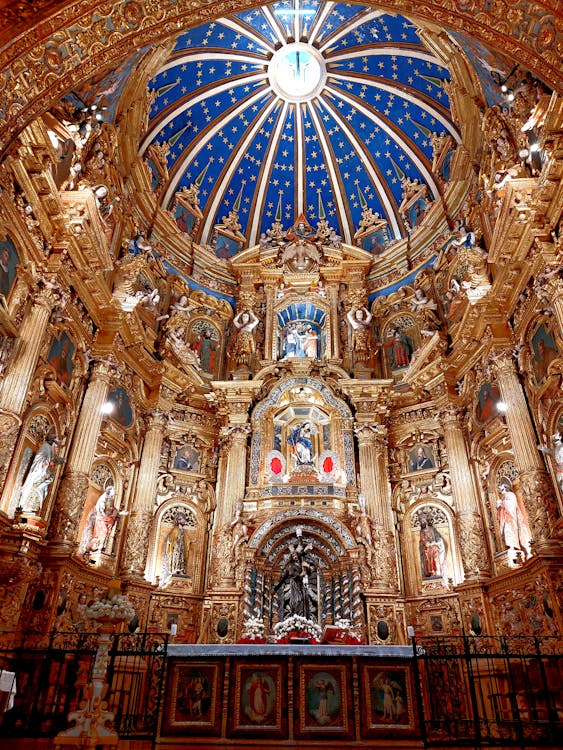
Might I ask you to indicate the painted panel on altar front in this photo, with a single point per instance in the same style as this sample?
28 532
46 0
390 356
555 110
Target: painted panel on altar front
322 707
193 701
387 703
258 707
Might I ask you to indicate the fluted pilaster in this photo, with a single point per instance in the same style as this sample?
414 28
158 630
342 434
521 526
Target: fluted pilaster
535 485
269 322
332 296
74 485
17 380
470 529
374 475
140 521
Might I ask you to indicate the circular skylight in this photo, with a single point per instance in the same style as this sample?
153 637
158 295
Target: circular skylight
297 72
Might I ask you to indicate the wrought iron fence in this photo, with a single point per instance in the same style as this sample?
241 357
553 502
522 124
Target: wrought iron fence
491 691
51 672
474 691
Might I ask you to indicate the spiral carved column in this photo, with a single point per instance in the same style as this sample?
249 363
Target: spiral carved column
535 485
74 485
140 522
474 553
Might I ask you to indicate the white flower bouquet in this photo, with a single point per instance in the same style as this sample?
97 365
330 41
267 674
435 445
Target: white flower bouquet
111 608
296 626
253 630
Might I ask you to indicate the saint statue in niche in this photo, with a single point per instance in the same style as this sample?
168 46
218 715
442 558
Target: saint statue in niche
176 549
39 476
432 549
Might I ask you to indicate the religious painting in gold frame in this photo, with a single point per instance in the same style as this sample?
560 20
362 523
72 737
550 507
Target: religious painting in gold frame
258 708
193 699
323 701
387 704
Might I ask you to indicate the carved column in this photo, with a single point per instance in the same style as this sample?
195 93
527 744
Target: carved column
16 383
74 485
269 322
536 489
332 296
471 532
140 520
234 402
24 360
374 478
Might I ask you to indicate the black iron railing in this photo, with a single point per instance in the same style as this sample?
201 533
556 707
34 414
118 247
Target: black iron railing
491 691
52 670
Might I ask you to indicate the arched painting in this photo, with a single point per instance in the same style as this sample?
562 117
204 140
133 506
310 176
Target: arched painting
122 410
205 341
8 261
60 358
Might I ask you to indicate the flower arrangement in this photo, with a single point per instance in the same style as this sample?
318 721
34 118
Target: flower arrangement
112 607
297 626
253 631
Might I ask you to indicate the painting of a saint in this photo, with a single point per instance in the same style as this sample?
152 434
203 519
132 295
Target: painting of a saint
122 411
184 219
323 699
388 698
226 247
375 242
258 698
186 458
400 348
420 458
301 443
60 358
195 702
8 262
487 399
545 351
204 341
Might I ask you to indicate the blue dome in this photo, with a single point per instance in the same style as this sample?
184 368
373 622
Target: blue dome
322 110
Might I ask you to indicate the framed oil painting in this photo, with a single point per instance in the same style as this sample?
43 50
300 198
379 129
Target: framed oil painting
122 410
387 703
193 698
186 458
323 702
258 708
8 261
60 358
487 399
419 458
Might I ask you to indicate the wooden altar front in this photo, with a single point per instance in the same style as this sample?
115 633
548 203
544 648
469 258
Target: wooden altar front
290 695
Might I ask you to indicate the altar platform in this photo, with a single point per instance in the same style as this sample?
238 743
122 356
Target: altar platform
290 695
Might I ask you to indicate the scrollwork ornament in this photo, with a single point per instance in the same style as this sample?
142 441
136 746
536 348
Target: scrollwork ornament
540 504
138 535
9 428
68 508
472 544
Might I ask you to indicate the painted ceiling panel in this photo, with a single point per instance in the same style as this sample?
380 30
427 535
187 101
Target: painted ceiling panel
299 106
